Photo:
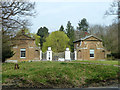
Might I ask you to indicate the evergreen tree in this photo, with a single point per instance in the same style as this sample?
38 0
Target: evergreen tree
61 28
6 47
83 25
43 33
70 33
82 28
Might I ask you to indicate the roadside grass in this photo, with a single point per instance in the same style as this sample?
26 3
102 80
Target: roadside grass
46 74
115 62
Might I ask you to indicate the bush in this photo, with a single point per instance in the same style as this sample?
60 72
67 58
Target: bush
116 55
113 56
110 57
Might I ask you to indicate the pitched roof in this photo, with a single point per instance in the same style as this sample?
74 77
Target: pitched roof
23 34
28 36
86 38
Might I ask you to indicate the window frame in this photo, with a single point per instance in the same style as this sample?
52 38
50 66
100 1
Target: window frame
92 51
22 49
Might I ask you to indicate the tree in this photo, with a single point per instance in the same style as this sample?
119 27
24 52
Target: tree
99 31
61 28
70 33
37 39
14 14
82 27
57 40
114 9
6 48
112 38
26 31
13 18
43 33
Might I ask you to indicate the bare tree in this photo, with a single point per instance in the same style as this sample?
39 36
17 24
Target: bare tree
14 14
114 9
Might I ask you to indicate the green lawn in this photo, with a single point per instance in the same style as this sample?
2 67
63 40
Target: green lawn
46 74
99 62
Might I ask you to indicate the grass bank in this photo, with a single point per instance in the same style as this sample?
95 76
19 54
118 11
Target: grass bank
98 62
56 74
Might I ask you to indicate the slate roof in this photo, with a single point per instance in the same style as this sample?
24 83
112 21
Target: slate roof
86 38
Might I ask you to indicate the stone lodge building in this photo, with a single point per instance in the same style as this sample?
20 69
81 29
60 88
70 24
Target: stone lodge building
89 48
25 49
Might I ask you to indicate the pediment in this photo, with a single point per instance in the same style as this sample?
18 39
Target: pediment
25 37
93 38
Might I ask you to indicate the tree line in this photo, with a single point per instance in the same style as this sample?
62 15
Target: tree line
59 38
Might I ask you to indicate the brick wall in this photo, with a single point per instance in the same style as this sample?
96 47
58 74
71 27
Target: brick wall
83 51
31 52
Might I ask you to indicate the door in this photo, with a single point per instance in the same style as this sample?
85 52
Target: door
79 55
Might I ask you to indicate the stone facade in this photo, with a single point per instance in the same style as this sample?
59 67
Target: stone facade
90 48
25 49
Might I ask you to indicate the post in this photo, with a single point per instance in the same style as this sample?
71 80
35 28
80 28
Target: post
40 54
75 52
49 54
67 54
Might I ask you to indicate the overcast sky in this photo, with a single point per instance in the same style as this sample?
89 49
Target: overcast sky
54 14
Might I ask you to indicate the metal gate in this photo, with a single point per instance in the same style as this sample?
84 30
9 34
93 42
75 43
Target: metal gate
44 54
56 56
72 55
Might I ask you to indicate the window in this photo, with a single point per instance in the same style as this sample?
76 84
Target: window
22 53
91 53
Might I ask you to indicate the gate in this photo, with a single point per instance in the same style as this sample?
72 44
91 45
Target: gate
62 56
56 56
72 55
44 54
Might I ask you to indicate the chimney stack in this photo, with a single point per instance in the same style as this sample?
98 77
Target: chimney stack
85 34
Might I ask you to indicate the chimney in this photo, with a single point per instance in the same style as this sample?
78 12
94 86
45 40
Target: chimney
85 34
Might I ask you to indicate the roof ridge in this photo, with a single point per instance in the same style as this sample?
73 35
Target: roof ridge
27 36
83 38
